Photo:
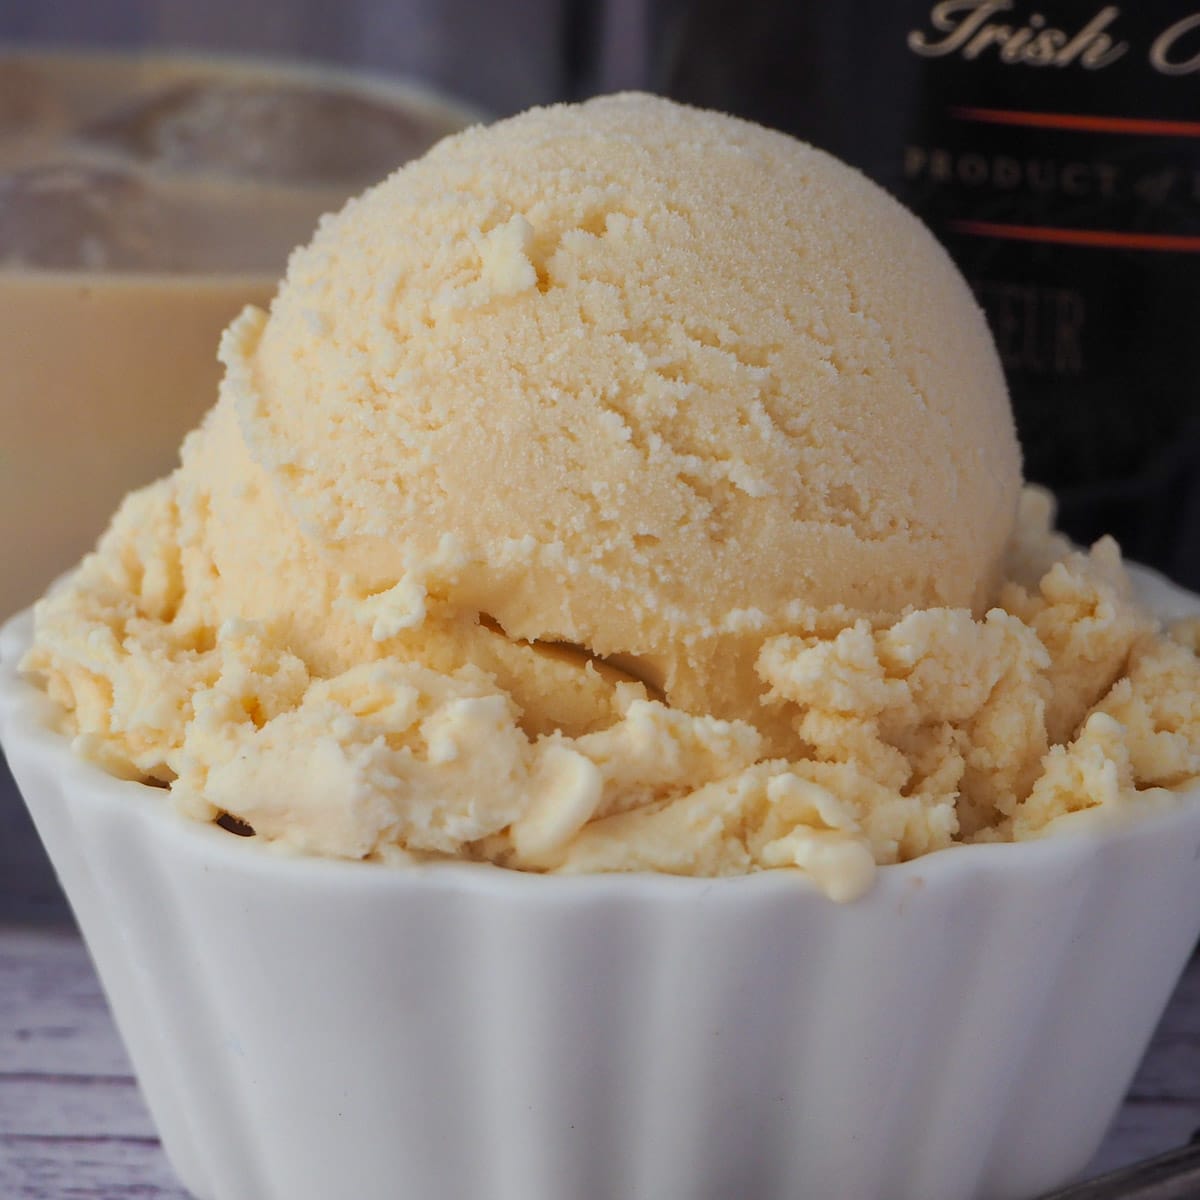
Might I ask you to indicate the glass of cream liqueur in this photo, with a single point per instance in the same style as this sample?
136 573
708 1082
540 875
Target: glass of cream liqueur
143 201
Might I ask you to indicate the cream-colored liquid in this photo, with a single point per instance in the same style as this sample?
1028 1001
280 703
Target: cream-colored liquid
108 332
102 377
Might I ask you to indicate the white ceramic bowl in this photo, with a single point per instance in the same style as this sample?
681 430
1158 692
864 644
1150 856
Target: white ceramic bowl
309 1030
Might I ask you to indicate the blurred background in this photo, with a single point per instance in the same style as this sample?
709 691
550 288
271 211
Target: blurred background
151 184
502 56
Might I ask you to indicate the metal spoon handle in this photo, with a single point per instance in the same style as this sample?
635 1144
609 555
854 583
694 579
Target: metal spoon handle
1171 1176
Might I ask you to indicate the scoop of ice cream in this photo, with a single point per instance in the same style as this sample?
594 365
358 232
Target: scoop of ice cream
660 379
620 487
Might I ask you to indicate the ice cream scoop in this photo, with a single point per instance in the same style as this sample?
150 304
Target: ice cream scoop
621 486
637 378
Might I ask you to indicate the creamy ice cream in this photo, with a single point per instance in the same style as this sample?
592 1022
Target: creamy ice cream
618 487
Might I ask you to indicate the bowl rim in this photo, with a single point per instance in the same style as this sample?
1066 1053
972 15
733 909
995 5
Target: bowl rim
26 718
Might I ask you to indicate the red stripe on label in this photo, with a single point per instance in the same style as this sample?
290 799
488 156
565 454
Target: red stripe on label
1079 121
1111 238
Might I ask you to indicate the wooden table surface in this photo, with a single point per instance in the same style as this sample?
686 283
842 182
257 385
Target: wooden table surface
73 1125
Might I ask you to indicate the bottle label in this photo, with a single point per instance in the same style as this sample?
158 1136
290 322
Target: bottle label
1055 149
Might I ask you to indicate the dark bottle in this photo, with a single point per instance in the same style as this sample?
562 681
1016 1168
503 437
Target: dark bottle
1054 148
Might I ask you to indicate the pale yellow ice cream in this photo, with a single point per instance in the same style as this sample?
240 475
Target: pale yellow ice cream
618 487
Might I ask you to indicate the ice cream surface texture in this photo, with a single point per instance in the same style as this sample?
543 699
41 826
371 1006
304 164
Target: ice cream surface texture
621 486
